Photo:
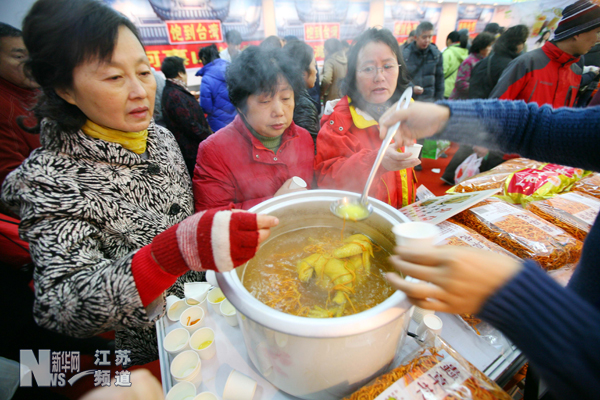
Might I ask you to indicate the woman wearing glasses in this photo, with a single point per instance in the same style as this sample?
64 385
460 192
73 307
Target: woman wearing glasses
348 141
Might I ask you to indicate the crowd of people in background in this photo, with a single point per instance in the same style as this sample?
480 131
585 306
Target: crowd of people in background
121 179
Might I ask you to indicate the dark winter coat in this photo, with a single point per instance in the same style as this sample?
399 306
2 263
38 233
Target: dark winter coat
214 97
185 119
486 73
306 114
426 69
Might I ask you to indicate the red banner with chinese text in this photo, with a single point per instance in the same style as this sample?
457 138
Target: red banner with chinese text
321 31
189 52
469 24
200 31
403 28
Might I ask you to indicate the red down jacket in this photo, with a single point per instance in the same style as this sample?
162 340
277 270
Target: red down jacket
346 153
544 76
233 166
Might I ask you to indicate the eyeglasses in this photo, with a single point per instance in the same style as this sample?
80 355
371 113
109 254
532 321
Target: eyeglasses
386 70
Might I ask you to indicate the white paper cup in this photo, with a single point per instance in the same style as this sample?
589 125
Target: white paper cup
200 337
414 150
204 305
215 297
190 315
416 234
430 322
175 310
297 182
419 313
177 341
211 277
206 396
229 312
195 292
182 391
171 300
187 367
239 387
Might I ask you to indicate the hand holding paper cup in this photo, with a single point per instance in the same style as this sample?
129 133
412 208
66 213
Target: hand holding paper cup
414 150
416 234
239 387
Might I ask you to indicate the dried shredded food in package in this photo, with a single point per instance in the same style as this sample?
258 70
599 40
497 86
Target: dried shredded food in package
522 233
455 234
575 212
434 372
494 178
530 184
590 185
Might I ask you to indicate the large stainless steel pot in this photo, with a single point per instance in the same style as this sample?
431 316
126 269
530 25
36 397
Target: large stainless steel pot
320 359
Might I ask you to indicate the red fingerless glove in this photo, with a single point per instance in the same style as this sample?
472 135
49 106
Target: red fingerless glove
217 240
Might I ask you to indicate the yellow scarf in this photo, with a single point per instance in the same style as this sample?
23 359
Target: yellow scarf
134 141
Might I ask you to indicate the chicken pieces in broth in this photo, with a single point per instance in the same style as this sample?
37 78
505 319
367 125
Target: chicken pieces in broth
319 278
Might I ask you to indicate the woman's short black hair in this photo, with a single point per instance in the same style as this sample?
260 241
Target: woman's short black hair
332 46
301 53
208 54
172 66
59 36
481 41
257 70
513 37
384 36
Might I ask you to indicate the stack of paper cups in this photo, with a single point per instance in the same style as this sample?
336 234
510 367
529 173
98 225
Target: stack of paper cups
416 234
419 313
431 323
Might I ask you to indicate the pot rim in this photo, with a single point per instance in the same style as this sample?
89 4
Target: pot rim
250 307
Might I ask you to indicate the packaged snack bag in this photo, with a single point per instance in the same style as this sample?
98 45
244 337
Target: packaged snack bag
575 212
522 233
495 177
590 185
529 184
455 234
434 372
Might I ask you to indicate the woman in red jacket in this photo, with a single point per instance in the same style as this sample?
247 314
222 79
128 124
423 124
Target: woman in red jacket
348 141
255 157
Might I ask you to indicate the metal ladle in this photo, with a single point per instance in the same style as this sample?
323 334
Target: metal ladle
359 209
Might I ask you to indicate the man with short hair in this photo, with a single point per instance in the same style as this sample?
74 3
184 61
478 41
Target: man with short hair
553 73
234 40
17 95
425 65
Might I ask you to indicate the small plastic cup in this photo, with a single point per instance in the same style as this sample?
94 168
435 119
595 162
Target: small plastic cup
416 234
206 396
175 309
419 313
215 297
239 387
203 343
195 292
192 318
297 182
177 341
229 312
186 367
431 323
414 150
182 391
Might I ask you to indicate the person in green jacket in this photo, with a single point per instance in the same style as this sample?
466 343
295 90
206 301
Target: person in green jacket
453 56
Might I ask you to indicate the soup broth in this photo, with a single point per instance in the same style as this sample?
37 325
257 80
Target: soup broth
272 276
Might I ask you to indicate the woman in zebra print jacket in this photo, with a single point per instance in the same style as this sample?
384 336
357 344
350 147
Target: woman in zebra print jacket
106 204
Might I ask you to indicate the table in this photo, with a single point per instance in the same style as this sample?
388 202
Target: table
499 362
